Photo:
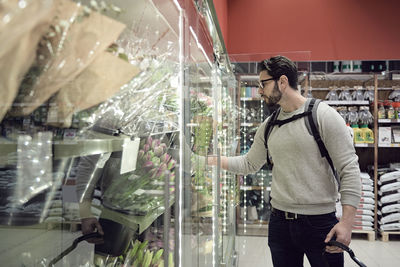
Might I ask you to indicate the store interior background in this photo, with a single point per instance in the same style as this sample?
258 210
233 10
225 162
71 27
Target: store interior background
316 35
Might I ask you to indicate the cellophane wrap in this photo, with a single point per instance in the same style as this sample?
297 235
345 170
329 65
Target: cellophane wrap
147 105
22 24
77 36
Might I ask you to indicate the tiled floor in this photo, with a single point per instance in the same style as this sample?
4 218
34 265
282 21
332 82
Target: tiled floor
33 247
254 251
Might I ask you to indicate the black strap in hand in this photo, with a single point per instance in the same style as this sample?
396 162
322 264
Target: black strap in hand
348 250
73 246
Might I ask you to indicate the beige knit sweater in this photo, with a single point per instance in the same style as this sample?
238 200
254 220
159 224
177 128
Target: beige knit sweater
302 181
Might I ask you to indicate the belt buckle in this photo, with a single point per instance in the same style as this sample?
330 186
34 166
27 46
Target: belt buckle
290 216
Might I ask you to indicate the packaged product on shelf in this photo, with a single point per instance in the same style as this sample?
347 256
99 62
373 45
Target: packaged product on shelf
381 111
358 135
20 32
391 176
396 134
396 106
390 227
366 178
384 135
75 36
365 116
332 95
390 113
352 115
364 219
364 212
390 208
358 94
390 198
345 94
369 94
366 206
367 194
387 188
367 134
395 95
394 217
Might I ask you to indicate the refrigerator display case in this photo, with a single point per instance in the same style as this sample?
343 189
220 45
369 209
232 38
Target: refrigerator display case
110 111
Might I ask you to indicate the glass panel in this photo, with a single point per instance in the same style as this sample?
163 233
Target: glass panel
254 208
107 134
90 135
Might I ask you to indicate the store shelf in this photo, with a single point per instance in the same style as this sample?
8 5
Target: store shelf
250 124
248 188
346 103
389 121
73 148
253 223
389 145
363 145
251 99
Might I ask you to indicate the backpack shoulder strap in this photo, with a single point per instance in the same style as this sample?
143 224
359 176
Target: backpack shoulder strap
312 123
270 125
268 128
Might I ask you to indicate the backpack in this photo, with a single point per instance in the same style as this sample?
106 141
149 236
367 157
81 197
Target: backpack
311 122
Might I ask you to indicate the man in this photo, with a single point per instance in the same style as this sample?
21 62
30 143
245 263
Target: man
303 191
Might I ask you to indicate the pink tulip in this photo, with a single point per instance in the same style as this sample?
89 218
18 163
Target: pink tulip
141 154
155 143
165 158
149 140
146 147
148 165
158 151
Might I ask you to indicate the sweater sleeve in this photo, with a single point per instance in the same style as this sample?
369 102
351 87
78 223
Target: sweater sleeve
254 159
339 144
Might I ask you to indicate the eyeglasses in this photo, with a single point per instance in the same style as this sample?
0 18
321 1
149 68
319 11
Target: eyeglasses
261 83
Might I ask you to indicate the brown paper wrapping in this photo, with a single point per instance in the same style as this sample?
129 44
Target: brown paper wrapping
71 51
18 43
97 83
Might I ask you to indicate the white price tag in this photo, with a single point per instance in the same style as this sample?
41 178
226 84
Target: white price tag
129 155
139 192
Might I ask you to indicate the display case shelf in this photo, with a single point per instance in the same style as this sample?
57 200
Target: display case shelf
388 120
249 188
346 103
364 145
251 99
73 148
389 145
249 124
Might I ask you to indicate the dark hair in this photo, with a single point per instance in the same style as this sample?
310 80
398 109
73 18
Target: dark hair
278 66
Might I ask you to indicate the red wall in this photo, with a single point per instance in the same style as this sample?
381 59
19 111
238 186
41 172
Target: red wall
221 7
312 29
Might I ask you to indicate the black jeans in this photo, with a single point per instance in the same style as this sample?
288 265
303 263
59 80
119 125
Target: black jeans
289 240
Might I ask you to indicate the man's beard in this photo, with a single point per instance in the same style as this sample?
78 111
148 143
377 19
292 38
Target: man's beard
275 96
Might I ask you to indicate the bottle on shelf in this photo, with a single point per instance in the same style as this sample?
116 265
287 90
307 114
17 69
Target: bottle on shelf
381 111
358 136
396 106
390 113
367 134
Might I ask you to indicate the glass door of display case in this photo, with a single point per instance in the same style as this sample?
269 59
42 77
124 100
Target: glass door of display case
108 132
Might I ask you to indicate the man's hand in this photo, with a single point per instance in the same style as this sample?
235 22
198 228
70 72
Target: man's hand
89 225
342 230
343 235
